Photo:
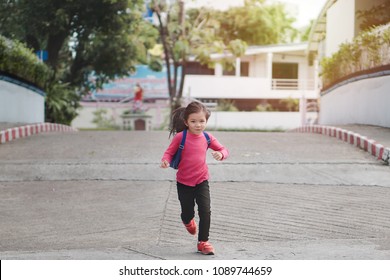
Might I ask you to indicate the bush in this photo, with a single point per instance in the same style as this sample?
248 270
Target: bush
264 107
61 103
291 104
17 60
102 121
367 51
226 106
61 100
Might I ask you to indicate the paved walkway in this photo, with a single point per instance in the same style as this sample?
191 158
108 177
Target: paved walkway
372 139
6 125
378 133
279 196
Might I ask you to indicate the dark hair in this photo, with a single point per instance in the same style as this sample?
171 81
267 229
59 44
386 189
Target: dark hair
182 114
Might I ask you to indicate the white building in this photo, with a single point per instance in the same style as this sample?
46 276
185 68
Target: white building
337 23
363 99
264 75
265 72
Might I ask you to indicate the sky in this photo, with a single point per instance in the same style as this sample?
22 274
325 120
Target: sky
303 10
306 10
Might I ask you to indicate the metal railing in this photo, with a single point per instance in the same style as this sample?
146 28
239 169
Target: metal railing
292 84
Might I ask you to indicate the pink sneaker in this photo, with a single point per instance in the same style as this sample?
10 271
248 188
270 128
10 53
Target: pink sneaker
205 248
191 227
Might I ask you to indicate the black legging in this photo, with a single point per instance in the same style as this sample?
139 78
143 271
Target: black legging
201 195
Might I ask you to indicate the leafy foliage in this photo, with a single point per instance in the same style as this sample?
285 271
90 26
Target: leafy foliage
226 105
201 33
18 60
103 37
61 103
102 121
264 107
367 51
291 104
257 23
376 16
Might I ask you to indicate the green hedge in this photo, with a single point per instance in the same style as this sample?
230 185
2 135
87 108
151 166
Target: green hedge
369 50
16 59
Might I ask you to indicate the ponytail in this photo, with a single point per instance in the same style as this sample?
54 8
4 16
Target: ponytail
177 122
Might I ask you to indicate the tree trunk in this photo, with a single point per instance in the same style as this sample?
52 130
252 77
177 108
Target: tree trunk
54 46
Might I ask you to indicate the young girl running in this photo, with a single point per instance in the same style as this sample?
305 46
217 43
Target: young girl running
192 175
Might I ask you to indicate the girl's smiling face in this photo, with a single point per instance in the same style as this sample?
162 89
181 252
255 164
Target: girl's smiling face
196 122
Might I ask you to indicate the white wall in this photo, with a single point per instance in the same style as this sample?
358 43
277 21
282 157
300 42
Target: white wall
199 86
19 104
257 65
340 25
218 120
159 114
229 87
258 120
362 102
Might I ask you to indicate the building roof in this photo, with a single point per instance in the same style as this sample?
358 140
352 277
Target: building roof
282 48
251 50
318 29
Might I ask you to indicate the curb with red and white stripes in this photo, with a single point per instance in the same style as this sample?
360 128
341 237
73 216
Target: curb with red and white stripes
10 134
362 142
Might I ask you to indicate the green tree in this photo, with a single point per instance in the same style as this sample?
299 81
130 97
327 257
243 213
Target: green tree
188 34
305 31
202 32
103 37
257 23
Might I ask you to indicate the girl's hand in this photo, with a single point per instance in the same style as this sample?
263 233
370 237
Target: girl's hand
164 164
217 155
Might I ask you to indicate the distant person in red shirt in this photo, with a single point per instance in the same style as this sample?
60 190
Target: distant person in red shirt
138 97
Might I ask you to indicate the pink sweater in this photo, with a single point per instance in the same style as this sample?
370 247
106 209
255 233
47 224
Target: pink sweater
193 168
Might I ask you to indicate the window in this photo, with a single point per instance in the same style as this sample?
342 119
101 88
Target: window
195 68
285 76
285 71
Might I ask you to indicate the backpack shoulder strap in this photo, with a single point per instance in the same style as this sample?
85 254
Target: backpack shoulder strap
183 139
207 138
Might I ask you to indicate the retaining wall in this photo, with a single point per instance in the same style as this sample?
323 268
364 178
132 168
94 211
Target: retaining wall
10 134
358 101
20 103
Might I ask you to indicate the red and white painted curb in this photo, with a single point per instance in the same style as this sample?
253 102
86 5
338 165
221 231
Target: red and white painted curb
362 142
10 134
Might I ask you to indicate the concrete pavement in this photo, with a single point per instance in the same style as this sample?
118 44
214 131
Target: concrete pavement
378 133
372 139
101 195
